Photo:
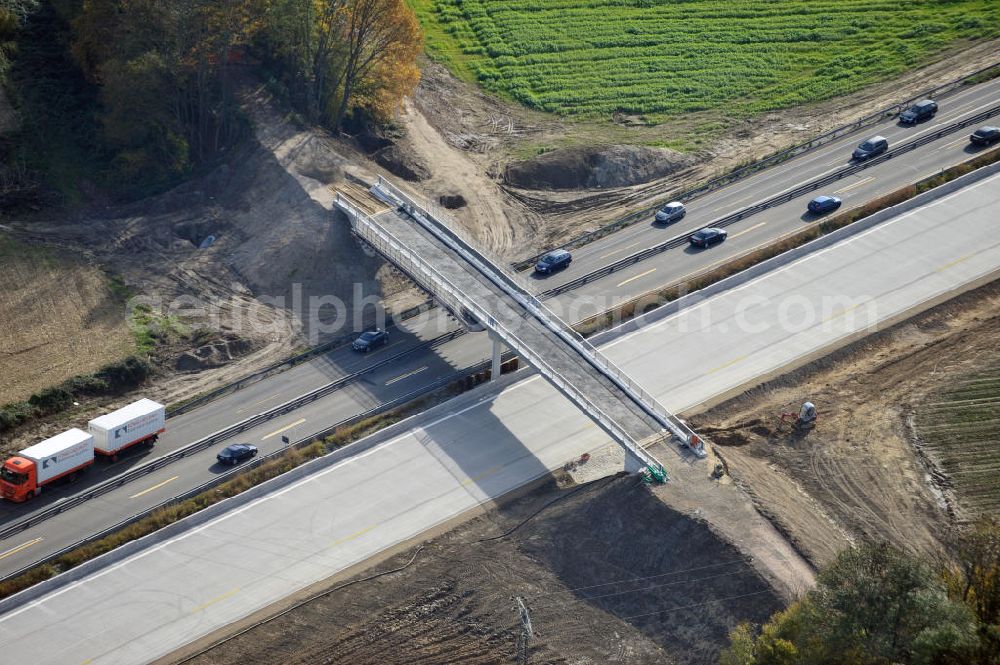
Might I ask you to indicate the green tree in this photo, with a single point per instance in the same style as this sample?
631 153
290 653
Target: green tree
873 605
975 581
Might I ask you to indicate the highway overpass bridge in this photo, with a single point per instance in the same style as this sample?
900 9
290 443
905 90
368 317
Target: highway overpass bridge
482 294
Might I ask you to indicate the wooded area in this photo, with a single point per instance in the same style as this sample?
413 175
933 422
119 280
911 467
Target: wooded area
159 77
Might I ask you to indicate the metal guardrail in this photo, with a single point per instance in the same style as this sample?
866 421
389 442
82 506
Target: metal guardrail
257 461
779 199
383 241
759 165
282 365
212 439
515 289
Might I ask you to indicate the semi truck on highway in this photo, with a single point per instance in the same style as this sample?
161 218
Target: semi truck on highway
64 455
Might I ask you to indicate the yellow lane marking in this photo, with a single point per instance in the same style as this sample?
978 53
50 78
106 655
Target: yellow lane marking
755 226
285 428
632 279
249 406
23 546
620 249
840 313
228 594
479 476
856 184
728 364
954 263
405 376
87 662
157 486
356 534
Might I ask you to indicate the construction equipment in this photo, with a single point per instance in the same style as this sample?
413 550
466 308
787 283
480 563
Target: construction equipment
804 420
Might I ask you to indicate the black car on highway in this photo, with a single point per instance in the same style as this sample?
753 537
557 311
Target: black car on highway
922 110
555 260
985 135
822 204
876 145
707 237
371 339
236 453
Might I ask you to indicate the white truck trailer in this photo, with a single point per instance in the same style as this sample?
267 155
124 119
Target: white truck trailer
23 475
139 422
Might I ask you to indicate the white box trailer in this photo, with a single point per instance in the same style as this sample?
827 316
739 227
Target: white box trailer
60 455
138 422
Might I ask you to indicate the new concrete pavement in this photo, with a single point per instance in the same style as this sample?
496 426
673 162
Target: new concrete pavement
425 367
481 446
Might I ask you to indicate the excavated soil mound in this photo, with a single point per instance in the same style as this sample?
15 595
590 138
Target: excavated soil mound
604 572
594 167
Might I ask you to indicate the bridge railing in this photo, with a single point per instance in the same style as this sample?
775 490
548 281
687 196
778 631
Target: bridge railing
515 288
387 244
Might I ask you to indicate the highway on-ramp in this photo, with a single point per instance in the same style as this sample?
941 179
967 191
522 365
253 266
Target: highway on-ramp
480 445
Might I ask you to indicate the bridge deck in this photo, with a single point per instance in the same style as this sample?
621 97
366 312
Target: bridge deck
574 368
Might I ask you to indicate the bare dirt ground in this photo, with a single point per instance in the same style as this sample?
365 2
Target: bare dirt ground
865 471
245 295
58 318
473 127
607 574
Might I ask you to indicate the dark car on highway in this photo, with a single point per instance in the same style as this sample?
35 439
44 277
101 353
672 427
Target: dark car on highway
707 237
555 260
985 135
371 340
922 110
876 145
672 212
822 204
236 453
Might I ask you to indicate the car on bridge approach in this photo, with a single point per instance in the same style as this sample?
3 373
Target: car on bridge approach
555 260
371 339
823 204
707 237
236 453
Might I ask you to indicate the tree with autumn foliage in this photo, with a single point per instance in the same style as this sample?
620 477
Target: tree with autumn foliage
339 55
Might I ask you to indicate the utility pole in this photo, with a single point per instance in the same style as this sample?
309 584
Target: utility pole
526 631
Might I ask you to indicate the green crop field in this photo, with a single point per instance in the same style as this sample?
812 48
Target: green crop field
960 428
661 58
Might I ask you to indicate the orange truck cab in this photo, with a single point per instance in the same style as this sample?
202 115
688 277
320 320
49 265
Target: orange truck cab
23 475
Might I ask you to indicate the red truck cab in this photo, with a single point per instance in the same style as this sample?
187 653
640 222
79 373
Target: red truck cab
18 479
